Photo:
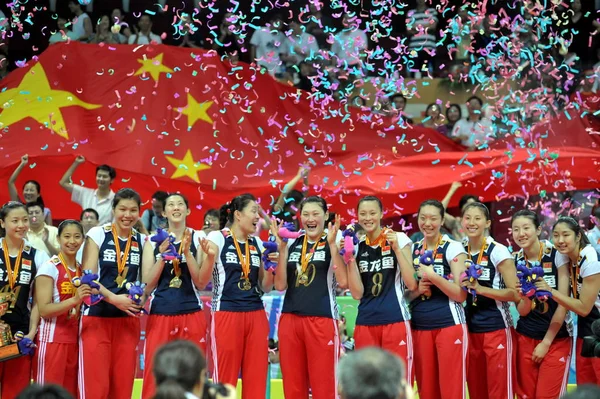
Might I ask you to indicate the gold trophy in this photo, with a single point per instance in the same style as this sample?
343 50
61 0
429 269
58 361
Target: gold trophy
8 347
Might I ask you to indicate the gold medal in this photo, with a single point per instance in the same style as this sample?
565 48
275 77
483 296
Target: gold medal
175 282
120 280
244 284
122 269
303 279
73 313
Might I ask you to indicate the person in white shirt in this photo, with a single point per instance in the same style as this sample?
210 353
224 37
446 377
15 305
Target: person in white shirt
99 199
63 34
82 24
267 45
350 44
145 35
300 46
476 130
41 236
421 24
594 234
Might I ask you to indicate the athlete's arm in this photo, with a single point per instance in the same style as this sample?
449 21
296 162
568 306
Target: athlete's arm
34 321
280 280
44 287
452 289
587 297
450 220
265 279
509 274
209 255
357 288
339 267
151 266
407 270
65 181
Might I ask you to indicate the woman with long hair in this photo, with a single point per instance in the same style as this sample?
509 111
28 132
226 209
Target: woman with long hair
175 310
378 276
544 329
239 328
32 190
110 330
309 269
438 319
570 239
19 262
491 337
59 303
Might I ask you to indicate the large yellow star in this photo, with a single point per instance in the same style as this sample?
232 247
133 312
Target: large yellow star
153 66
195 110
187 167
34 98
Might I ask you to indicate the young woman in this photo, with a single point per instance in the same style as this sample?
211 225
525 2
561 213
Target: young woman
56 360
543 336
175 304
31 189
309 269
108 336
491 337
453 115
19 262
239 328
570 240
434 119
378 277
438 319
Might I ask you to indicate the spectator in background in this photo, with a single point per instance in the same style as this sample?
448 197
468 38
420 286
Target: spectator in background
63 34
82 24
117 18
187 34
144 34
421 24
399 102
373 373
267 46
227 43
211 221
434 119
41 236
317 23
48 391
153 219
475 130
104 33
301 46
594 234
453 115
89 218
349 47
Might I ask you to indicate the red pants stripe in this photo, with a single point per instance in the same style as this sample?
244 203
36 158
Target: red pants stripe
491 364
309 349
548 379
587 368
56 363
162 329
395 337
15 375
441 362
107 356
240 341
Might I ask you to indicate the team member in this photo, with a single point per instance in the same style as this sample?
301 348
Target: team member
438 318
108 337
491 337
175 304
384 268
19 262
239 328
570 240
32 190
309 269
56 360
543 336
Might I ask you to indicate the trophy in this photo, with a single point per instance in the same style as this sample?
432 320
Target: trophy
9 349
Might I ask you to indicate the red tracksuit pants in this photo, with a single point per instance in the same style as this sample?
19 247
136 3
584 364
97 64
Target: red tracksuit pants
162 329
441 362
395 338
107 356
57 363
490 373
309 349
548 379
587 368
15 375
240 341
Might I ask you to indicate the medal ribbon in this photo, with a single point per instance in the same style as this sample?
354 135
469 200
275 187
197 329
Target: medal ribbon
121 261
176 267
539 259
379 241
68 271
575 277
13 274
244 260
436 247
304 257
481 252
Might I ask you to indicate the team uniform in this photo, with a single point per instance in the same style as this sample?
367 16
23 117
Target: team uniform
309 342
56 360
108 336
175 311
490 369
588 369
15 374
547 380
383 317
439 332
239 328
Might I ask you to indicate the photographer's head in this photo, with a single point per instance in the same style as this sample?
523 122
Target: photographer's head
372 373
179 368
588 391
49 391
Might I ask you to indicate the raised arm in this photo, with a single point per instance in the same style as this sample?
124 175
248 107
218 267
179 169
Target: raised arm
449 220
65 181
12 188
302 174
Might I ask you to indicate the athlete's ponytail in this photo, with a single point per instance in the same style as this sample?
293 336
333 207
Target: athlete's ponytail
178 368
224 215
169 389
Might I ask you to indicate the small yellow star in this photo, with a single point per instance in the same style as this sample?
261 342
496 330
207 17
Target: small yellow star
153 66
195 110
187 167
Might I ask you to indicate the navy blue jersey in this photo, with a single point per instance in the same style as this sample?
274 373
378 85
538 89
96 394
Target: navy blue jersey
536 323
588 265
314 294
230 291
18 313
438 311
383 296
488 314
169 300
108 269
